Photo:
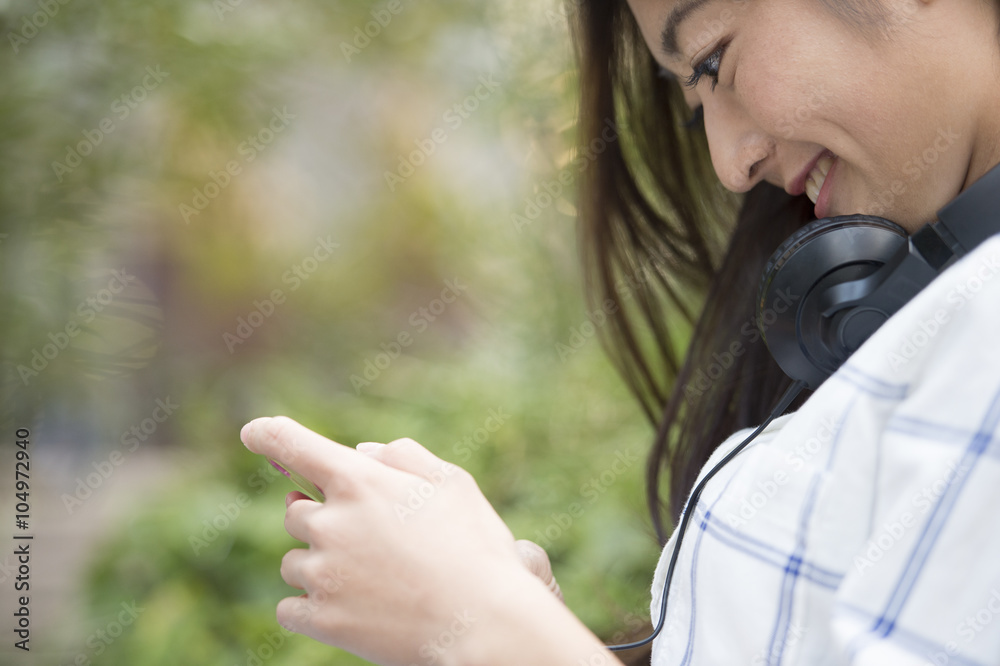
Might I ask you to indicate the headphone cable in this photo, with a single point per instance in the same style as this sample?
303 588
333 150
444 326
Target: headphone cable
786 400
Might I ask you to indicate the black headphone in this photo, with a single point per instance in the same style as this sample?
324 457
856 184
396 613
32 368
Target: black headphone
846 276
850 273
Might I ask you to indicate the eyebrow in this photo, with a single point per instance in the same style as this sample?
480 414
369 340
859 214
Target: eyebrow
668 38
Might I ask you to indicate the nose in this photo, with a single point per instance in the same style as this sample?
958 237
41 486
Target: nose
742 153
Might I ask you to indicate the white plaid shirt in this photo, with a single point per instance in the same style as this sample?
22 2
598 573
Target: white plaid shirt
863 529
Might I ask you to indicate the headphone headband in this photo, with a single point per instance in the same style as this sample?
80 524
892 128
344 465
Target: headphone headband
850 273
974 215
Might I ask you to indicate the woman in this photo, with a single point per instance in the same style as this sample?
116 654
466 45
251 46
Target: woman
852 531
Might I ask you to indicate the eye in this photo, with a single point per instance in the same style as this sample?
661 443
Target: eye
697 117
709 67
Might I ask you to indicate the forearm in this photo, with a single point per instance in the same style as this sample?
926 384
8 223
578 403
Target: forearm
524 623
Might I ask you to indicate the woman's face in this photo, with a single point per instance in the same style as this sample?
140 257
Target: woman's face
891 118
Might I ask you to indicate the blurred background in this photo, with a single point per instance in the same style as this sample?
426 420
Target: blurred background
360 215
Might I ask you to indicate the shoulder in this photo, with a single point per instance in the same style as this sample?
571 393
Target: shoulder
849 498
945 322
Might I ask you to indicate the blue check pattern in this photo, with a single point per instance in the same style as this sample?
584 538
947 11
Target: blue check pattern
865 528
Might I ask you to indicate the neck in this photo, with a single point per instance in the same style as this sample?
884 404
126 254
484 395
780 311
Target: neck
986 151
986 148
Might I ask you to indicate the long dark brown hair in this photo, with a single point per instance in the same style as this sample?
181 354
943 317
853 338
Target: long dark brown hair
678 256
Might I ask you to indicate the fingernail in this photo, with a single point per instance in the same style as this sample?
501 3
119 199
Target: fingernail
245 430
369 447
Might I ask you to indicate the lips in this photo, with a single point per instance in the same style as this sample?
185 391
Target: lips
825 181
813 180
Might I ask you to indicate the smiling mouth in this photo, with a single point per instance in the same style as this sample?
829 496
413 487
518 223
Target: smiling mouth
816 178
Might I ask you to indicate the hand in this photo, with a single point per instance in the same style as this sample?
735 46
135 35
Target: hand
536 560
406 556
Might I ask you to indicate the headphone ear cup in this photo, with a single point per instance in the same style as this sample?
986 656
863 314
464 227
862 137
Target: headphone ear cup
821 254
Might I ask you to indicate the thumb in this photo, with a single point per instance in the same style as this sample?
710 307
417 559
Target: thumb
537 562
407 455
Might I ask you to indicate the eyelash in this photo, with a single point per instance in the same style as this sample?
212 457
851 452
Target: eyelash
709 67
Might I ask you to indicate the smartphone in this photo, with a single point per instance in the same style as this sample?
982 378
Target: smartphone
310 489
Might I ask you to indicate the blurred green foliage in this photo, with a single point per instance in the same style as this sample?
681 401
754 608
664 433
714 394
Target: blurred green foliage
517 340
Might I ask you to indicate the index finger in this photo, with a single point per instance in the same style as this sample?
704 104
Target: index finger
301 450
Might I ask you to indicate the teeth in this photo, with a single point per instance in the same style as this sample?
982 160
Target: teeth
824 164
814 183
812 189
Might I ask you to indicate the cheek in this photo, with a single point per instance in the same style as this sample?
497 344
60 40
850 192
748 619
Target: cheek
795 86
784 107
